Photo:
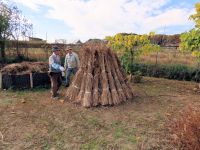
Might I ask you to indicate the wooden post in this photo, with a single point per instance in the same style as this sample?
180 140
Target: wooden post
1 81
31 80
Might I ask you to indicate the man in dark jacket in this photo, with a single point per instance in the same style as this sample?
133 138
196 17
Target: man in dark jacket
55 71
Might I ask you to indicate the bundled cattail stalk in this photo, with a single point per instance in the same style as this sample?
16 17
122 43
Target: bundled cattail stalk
100 79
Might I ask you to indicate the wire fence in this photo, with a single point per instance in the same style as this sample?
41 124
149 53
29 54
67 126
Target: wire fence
40 51
37 51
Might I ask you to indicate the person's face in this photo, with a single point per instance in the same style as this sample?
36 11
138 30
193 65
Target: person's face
57 52
69 51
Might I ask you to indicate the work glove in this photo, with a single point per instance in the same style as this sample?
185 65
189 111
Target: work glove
63 74
62 69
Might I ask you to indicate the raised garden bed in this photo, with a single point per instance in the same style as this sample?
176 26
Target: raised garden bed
24 75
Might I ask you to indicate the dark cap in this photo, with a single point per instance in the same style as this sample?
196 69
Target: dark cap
55 48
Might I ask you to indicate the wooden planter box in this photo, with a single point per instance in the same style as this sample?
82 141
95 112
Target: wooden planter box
25 81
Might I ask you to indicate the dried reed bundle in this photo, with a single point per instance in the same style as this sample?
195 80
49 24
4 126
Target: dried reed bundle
105 96
96 92
122 78
100 80
82 90
118 85
25 67
75 86
113 90
87 98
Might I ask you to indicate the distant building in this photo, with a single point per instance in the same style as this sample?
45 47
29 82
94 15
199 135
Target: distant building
34 39
95 41
79 42
61 41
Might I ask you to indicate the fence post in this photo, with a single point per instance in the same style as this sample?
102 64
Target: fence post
1 81
31 80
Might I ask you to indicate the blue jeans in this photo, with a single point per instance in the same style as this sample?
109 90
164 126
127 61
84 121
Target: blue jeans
69 72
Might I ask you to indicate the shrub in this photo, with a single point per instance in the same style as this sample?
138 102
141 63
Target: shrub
175 71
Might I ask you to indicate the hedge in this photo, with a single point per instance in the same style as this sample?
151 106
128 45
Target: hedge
175 71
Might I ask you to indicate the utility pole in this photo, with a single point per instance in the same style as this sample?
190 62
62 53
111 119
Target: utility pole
46 36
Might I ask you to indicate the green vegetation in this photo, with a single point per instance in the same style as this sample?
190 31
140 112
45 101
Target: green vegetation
196 17
132 46
12 26
190 41
175 71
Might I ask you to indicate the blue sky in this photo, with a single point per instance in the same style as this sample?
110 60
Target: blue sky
84 19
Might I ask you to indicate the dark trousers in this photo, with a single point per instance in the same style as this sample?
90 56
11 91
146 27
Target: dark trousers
69 72
56 82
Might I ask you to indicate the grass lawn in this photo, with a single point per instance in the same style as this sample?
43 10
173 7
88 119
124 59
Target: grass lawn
31 120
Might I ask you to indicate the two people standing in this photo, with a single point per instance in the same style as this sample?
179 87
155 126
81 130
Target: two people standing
55 68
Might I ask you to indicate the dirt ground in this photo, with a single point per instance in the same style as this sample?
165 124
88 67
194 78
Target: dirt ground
30 120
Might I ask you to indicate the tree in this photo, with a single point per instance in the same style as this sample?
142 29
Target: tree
190 41
196 17
13 25
4 25
132 46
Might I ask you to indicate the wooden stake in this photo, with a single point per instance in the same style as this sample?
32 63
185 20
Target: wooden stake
31 80
1 81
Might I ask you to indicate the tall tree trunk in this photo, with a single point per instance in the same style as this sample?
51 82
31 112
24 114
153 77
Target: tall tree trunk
156 58
2 51
18 54
156 64
198 70
132 61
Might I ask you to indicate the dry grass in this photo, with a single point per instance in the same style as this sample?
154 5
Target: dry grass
170 57
185 129
25 67
30 120
167 56
35 53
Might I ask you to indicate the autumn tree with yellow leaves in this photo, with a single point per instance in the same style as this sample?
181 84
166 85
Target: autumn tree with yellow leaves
131 46
190 41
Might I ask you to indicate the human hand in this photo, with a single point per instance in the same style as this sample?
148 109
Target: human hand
62 69
63 74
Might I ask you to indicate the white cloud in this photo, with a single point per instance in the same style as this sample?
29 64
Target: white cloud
98 18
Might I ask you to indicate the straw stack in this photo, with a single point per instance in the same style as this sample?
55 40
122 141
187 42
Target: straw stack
100 79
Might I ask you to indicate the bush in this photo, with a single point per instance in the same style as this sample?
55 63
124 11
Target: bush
185 130
175 71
